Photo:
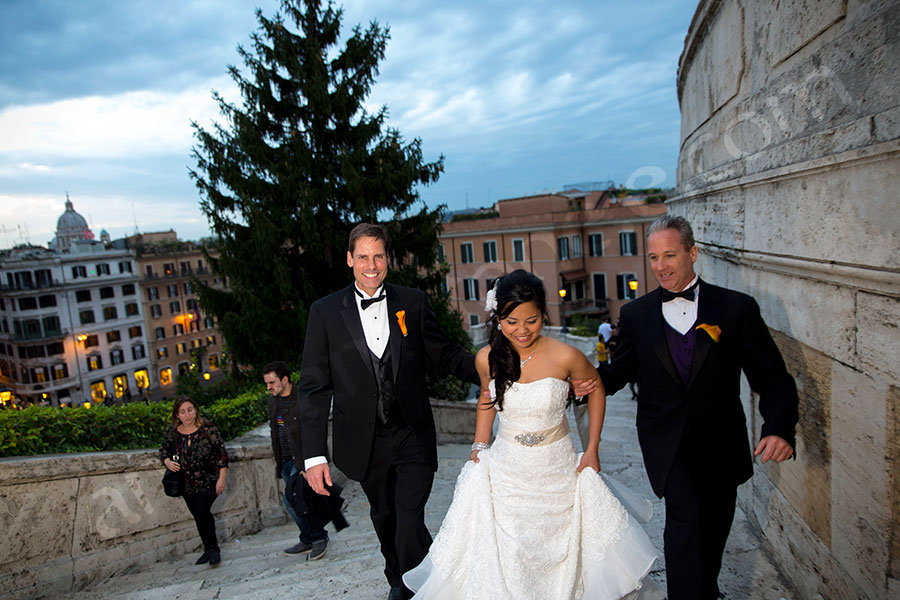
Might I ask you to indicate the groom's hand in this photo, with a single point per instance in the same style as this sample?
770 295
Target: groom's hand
774 448
584 387
317 477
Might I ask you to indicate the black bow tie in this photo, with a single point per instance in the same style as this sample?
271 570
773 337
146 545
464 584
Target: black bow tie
687 294
367 302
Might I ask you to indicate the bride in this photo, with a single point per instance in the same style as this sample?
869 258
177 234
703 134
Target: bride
529 519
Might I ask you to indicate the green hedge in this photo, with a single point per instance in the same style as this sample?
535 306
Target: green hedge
46 430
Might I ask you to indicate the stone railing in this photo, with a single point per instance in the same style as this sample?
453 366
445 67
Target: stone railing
72 519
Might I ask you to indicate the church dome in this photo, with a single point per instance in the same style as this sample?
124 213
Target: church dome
70 226
70 221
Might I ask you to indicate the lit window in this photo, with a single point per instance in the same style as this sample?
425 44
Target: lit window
95 362
213 362
165 376
141 380
180 348
60 371
120 385
98 391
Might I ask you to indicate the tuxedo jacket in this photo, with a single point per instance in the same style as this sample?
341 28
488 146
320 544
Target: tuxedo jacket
337 365
703 415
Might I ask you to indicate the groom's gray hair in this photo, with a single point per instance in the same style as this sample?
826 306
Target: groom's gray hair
679 224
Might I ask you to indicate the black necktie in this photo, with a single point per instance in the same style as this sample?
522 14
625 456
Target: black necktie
687 294
367 302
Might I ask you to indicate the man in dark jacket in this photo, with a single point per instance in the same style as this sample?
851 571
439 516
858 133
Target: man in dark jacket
287 448
687 343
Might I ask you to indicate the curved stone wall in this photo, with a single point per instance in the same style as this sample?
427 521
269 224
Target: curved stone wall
788 171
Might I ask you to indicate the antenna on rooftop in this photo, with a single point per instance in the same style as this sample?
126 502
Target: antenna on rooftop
5 234
134 214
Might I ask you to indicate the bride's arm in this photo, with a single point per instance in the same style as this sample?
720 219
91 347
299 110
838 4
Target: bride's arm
484 412
580 368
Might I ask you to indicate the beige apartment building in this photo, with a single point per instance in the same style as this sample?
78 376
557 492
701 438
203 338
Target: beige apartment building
175 324
585 245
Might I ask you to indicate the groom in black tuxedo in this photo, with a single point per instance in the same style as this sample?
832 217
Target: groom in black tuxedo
687 342
366 347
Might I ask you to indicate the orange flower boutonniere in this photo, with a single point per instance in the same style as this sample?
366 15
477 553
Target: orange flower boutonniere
401 321
713 331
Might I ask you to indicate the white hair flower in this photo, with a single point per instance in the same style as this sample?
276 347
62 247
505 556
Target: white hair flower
490 300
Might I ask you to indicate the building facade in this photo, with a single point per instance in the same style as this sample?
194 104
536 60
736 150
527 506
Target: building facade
178 333
788 170
87 321
585 246
71 326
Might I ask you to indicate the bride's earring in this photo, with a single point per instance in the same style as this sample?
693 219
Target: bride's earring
499 327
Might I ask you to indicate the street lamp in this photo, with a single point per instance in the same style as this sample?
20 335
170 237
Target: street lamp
79 338
562 317
633 286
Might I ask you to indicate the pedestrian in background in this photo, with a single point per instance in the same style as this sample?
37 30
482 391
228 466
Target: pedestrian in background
193 447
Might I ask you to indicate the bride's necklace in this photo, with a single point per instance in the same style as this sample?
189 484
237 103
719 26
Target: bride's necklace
522 362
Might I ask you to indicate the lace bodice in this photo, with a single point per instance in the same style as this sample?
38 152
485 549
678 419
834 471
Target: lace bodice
535 405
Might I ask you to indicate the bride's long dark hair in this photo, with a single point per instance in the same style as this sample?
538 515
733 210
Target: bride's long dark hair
511 290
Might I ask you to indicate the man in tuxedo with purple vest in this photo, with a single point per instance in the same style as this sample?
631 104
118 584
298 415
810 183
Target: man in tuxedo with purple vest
687 342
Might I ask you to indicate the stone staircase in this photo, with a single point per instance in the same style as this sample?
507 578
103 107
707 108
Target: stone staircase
255 568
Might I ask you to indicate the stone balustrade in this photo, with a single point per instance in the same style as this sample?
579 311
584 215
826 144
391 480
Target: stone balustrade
72 519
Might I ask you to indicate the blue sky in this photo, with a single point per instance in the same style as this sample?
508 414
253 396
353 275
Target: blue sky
522 97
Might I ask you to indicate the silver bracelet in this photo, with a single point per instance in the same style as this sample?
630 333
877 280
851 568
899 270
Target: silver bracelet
480 446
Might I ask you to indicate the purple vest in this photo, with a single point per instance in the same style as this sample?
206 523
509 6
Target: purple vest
681 348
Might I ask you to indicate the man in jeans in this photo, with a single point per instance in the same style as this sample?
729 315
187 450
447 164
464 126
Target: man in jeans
284 422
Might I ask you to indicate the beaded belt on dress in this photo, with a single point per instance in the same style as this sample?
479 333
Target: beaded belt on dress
535 438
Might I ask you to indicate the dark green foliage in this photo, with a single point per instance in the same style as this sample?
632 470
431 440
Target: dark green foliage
477 216
47 430
584 326
294 168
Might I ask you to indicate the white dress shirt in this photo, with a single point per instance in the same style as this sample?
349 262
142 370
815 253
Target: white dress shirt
375 324
681 314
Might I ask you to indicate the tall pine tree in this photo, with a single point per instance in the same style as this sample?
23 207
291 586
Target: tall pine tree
296 166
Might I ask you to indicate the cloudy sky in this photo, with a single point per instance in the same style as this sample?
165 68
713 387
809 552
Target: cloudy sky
521 96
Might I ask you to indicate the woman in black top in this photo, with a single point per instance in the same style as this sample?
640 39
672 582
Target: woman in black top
195 448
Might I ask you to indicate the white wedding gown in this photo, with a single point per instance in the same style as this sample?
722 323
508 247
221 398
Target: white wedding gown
523 524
